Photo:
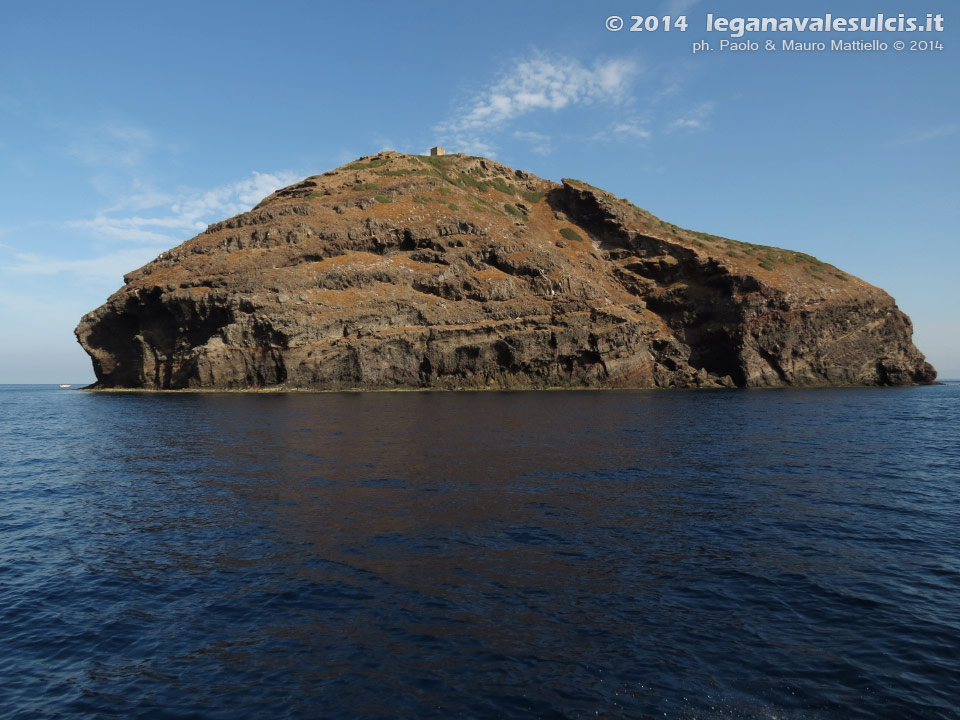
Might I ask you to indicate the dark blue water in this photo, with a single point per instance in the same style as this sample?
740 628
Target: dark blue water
689 554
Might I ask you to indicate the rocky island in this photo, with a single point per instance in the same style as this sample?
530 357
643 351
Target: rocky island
409 271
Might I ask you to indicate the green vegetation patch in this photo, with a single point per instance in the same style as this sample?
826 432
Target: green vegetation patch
571 234
383 198
453 206
773 255
809 259
470 182
438 161
768 257
482 205
446 178
441 164
531 196
702 235
376 162
513 211
498 183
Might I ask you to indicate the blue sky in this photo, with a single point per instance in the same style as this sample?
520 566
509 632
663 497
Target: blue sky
126 128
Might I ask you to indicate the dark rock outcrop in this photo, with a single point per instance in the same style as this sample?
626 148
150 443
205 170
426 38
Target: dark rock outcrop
401 271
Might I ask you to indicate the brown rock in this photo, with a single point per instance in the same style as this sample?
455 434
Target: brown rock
403 271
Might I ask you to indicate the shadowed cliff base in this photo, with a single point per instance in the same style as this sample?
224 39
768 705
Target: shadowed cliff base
455 272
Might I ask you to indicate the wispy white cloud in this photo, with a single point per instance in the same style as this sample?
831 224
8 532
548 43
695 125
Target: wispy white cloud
678 7
931 133
697 118
122 155
631 129
672 78
233 198
473 145
540 86
128 241
108 267
539 142
137 229
112 145
383 143
131 194
171 218
541 83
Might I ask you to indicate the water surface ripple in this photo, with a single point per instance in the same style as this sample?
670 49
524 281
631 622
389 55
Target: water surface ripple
690 554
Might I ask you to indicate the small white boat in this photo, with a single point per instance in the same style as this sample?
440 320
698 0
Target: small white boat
65 385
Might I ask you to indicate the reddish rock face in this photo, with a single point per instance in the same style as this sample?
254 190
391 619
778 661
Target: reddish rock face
404 271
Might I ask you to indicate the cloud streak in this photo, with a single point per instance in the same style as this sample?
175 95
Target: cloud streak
162 217
113 145
695 119
678 7
542 83
631 129
103 268
933 133
539 142
132 240
519 103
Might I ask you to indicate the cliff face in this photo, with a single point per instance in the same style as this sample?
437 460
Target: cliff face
403 271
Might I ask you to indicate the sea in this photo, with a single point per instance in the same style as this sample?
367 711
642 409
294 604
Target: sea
585 554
